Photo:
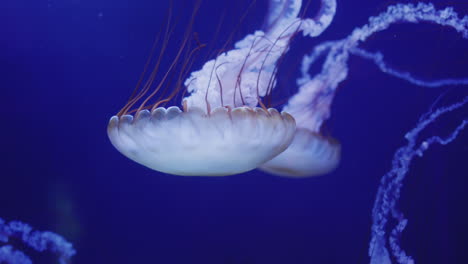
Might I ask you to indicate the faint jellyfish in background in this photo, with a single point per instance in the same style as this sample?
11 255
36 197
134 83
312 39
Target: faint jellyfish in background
224 127
15 231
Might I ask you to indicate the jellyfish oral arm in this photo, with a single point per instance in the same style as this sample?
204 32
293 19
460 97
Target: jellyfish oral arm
240 77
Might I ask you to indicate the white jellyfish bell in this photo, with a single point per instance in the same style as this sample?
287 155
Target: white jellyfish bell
193 142
223 128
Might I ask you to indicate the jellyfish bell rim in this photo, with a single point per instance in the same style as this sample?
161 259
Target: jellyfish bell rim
225 141
310 154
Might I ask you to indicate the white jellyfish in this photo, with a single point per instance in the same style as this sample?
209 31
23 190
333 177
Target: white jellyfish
223 127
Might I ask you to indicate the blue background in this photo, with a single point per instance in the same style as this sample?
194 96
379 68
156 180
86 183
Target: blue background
67 66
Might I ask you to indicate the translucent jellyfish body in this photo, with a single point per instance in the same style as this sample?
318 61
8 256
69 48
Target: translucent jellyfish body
194 143
223 127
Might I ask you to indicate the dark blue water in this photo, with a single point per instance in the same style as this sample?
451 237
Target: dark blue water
67 66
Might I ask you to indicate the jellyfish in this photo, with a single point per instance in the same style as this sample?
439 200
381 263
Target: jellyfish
41 241
222 126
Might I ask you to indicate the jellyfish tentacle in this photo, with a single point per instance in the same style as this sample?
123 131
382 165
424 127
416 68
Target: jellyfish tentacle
391 184
37 240
9 255
378 60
